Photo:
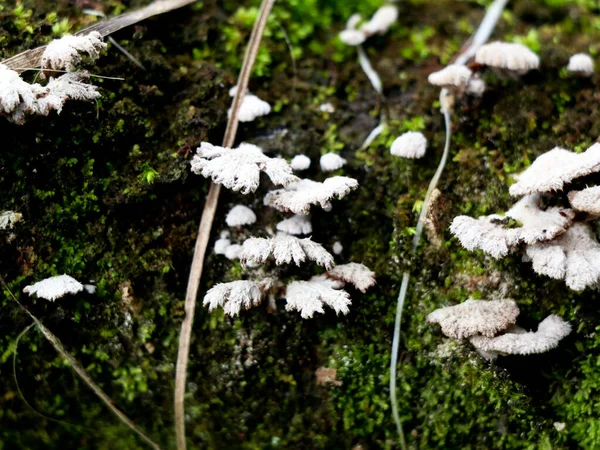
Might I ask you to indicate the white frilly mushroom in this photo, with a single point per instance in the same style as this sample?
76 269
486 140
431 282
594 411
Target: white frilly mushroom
381 21
297 224
54 287
284 249
240 215
516 58
300 162
359 275
251 107
308 297
331 161
581 64
411 144
586 200
453 76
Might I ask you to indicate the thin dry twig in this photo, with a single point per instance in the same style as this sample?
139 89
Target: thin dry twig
33 58
208 215
78 368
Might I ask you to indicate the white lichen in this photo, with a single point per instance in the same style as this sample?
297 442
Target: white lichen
65 53
300 162
516 58
298 197
239 169
573 256
54 287
308 297
552 170
240 215
236 295
581 64
586 200
359 275
411 144
331 161
474 317
517 341
284 249
295 225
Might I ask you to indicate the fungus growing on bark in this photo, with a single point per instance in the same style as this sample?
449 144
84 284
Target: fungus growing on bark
300 162
581 65
236 295
454 76
490 235
359 275
308 297
54 287
411 144
284 249
516 58
239 169
8 219
552 170
574 257
331 161
297 224
240 215
517 341
299 196
586 200
472 317
251 107
65 53
233 251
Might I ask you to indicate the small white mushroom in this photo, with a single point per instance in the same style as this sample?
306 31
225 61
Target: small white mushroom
236 295
552 170
54 287
474 317
516 58
453 76
475 87
359 275
586 200
240 215
284 249
331 161
251 107
411 144
352 37
581 64
222 243
517 341
232 251
300 162
295 225
381 21
308 297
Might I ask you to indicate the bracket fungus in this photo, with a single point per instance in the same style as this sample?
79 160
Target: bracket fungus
581 65
411 144
552 170
65 53
54 287
587 200
297 224
359 275
251 108
239 169
240 215
308 297
517 341
516 58
235 295
472 317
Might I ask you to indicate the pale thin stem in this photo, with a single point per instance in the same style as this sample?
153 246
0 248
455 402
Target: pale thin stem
208 215
482 34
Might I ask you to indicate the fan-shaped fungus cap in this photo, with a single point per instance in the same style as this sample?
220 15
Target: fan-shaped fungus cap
474 317
300 162
240 215
54 287
504 55
552 170
581 64
297 224
236 295
359 275
586 200
517 341
285 249
381 21
331 161
453 76
411 144
308 297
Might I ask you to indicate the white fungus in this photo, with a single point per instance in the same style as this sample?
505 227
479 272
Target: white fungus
381 21
517 341
232 251
298 197
297 224
359 275
411 144
239 169
8 219
352 37
474 317
300 162
251 107
586 200
573 256
308 297
222 243
284 249
54 287
240 215
552 170
510 56
337 248
581 64
331 161
65 53
453 76
236 295
475 87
